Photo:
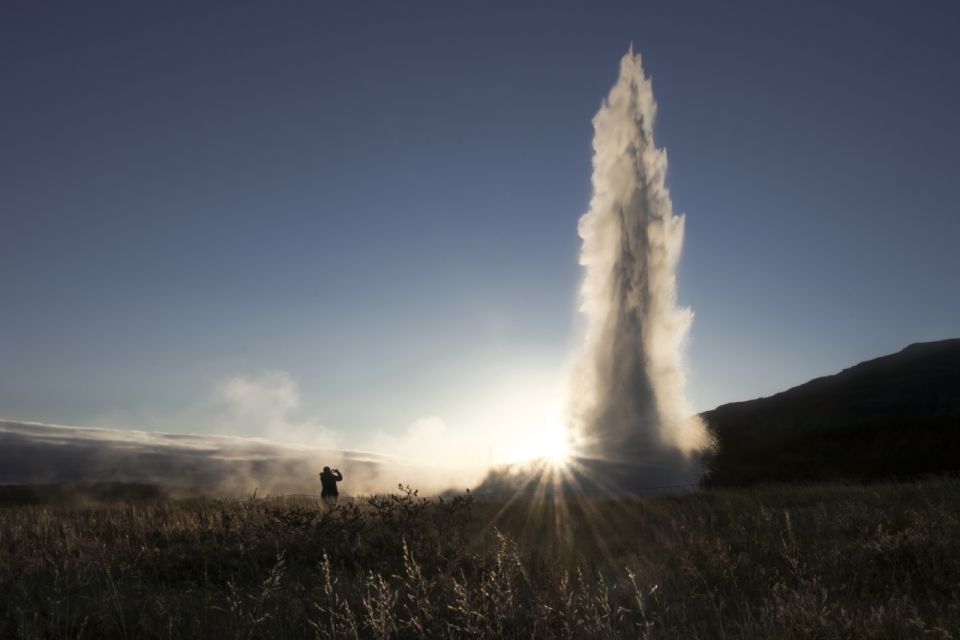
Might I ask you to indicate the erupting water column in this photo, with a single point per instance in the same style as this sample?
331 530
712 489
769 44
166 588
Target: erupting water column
632 424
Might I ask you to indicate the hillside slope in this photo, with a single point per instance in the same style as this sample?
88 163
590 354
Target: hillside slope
897 415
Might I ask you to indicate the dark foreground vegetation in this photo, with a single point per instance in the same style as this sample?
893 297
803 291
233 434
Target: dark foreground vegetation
826 561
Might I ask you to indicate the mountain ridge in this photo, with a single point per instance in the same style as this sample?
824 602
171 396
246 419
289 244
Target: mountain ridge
868 409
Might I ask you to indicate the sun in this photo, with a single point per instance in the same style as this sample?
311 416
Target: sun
555 446
549 443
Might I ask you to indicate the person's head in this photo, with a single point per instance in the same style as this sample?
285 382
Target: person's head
326 469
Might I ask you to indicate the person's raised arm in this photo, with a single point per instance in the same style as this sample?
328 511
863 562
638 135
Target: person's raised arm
339 475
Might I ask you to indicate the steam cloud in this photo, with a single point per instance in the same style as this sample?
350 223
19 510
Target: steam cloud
35 453
284 457
632 422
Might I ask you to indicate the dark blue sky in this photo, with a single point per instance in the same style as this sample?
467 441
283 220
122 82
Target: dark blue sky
381 198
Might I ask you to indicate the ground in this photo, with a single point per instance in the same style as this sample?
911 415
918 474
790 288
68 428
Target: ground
820 561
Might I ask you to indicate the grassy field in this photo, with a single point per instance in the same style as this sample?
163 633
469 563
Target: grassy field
827 561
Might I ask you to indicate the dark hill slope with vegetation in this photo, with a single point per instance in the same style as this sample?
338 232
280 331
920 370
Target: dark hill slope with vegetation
894 416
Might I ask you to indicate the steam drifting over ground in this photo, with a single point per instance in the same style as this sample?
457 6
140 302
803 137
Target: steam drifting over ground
249 432
34 453
631 421
255 435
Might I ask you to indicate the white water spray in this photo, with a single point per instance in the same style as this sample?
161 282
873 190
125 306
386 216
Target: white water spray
629 408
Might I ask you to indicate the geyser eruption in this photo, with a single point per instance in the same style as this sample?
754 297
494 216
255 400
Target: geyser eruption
630 427
632 424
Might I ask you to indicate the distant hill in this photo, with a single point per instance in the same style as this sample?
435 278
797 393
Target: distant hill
894 416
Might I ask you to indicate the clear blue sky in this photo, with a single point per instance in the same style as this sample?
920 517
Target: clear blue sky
380 198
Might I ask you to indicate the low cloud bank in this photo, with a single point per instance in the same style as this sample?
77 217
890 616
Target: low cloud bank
255 434
36 453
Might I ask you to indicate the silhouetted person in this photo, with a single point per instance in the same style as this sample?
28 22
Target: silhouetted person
329 480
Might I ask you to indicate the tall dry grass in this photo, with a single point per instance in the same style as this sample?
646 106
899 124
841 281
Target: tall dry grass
823 561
